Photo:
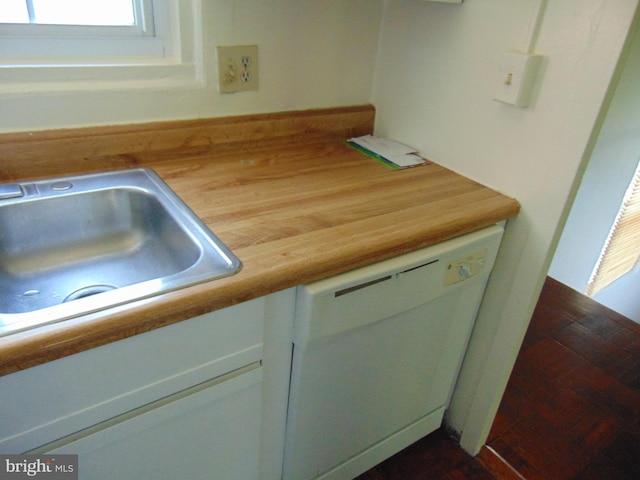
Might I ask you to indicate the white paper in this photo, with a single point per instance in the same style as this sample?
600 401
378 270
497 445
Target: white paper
408 160
396 152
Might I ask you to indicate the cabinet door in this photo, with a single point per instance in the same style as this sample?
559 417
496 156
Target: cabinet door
58 398
210 431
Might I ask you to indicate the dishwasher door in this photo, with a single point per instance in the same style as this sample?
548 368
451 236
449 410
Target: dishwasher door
376 354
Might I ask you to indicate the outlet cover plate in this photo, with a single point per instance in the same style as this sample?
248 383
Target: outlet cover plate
237 68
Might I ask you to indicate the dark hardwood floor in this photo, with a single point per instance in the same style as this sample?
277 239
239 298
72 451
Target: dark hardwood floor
435 457
571 410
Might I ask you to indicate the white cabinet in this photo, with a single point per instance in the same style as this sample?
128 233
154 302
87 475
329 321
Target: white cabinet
203 398
210 432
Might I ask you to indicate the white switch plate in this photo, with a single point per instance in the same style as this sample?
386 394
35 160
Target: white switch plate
237 68
516 78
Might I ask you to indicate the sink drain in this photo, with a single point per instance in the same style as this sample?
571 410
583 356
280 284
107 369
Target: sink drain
88 291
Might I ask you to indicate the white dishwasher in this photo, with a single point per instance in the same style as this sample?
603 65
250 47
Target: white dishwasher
377 352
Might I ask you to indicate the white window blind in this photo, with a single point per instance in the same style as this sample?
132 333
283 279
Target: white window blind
622 248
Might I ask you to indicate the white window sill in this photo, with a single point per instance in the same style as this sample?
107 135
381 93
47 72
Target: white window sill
21 79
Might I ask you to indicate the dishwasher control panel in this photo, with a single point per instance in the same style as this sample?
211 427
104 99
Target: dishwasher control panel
462 268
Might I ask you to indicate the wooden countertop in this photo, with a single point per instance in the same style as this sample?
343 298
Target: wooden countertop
282 191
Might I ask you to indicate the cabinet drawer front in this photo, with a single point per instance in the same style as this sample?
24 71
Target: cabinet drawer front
209 431
53 400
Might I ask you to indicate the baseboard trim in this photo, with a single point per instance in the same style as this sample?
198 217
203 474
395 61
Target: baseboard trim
498 466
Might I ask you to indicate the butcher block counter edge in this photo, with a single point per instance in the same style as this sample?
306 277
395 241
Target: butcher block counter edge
282 190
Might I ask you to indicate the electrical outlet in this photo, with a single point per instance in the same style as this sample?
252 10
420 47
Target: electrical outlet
237 68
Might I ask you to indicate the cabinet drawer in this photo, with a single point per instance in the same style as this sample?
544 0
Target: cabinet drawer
208 431
53 400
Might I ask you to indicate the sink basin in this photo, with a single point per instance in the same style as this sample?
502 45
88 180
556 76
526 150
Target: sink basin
76 245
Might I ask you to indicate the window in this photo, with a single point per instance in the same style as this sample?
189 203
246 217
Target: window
71 12
57 31
621 251
50 45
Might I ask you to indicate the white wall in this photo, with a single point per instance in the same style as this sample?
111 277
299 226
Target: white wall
434 83
622 295
312 54
612 164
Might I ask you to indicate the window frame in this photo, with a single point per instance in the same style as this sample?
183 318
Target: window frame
143 12
172 56
33 44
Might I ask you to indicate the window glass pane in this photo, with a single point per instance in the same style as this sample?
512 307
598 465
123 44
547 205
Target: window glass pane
84 12
89 32
14 11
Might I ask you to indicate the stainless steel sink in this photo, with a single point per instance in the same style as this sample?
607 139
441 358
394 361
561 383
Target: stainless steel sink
76 245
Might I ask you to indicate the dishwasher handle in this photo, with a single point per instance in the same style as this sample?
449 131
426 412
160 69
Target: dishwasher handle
346 291
385 289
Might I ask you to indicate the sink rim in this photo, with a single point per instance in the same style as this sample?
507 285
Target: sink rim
215 261
120 232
